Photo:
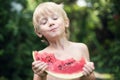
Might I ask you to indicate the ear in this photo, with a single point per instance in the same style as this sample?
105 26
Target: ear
67 23
38 34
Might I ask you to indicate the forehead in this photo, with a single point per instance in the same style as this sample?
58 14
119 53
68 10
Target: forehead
48 10
48 14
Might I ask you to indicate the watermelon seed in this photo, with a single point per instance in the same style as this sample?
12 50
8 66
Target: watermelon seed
69 63
60 67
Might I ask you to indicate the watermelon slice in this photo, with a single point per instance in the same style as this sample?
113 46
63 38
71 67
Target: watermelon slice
65 69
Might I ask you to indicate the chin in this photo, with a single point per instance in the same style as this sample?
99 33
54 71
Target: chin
54 36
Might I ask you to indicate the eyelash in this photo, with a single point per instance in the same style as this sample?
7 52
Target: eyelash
55 18
45 21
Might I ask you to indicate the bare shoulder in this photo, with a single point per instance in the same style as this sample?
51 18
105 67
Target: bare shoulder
83 48
43 50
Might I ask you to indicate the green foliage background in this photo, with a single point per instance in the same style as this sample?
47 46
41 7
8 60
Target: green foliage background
97 25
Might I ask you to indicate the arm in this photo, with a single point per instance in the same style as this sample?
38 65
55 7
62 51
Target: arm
36 77
89 77
89 66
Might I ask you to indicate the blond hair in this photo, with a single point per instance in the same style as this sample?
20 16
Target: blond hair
47 8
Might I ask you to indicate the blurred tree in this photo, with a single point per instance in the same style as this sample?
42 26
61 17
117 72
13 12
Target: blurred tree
16 40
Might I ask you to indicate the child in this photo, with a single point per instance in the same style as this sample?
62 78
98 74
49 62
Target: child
51 22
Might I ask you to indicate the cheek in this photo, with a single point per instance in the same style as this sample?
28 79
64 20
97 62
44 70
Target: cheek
61 23
43 28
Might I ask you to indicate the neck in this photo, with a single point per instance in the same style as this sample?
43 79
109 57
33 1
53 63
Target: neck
59 43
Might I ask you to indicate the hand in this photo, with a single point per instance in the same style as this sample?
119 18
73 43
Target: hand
88 68
39 67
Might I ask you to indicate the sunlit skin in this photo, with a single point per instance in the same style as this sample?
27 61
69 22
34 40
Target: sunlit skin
52 26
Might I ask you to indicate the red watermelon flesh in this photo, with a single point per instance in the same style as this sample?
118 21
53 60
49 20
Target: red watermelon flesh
66 69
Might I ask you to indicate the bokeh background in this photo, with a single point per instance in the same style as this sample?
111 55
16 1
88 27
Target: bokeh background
93 22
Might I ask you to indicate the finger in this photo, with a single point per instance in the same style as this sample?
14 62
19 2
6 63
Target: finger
88 68
85 71
91 65
42 72
35 62
37 67
41 68
44 67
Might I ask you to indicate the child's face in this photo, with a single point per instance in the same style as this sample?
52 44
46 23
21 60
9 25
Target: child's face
52 25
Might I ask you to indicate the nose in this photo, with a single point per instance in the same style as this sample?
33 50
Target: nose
51 22
51 25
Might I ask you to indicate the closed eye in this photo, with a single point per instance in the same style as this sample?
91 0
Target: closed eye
55 17
43 21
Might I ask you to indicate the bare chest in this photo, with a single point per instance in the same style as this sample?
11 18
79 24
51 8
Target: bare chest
72 53
69 52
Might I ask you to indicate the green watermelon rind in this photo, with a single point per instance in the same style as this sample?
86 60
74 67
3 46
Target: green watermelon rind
33 56
63 76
